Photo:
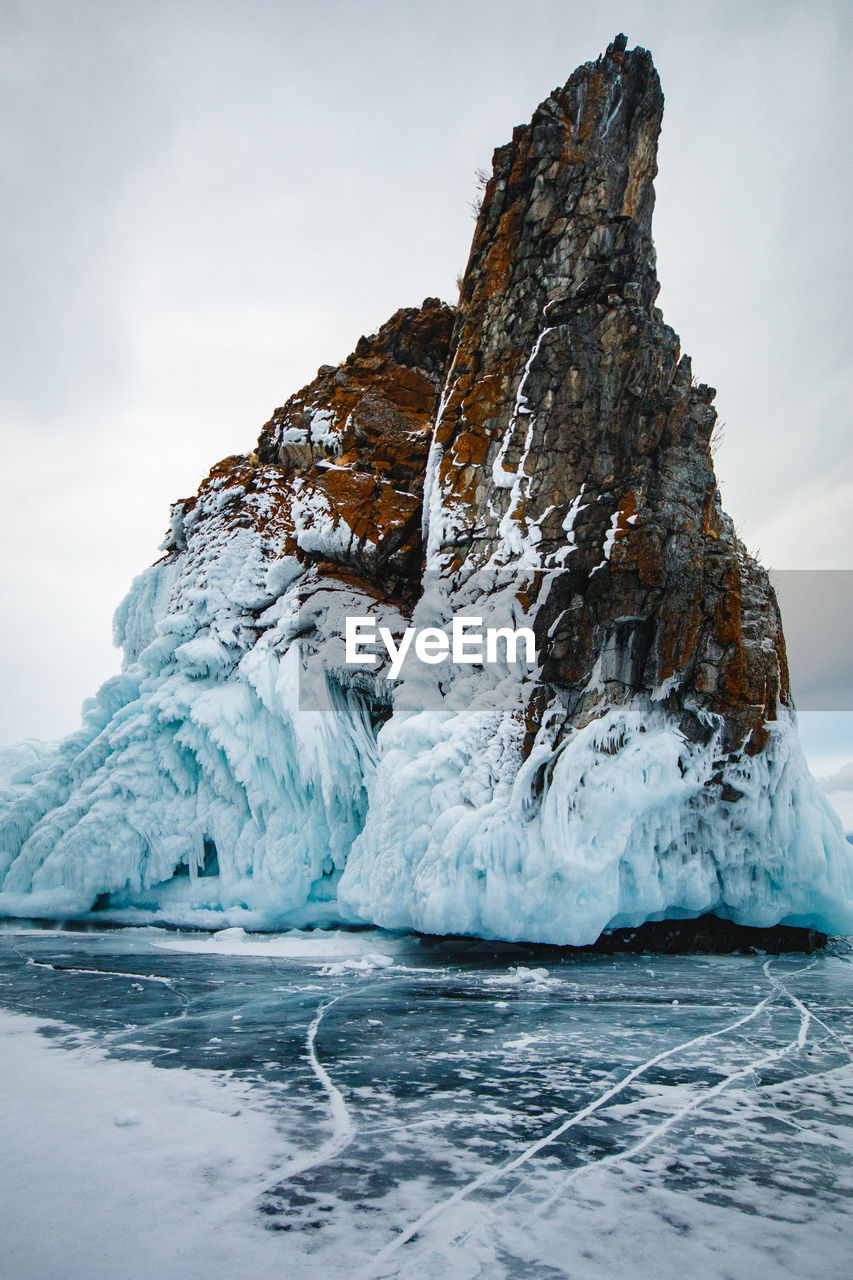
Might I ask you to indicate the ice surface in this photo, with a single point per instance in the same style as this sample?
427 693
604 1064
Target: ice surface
121 1170
473 1110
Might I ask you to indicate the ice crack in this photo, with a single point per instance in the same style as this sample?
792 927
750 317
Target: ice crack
500 1171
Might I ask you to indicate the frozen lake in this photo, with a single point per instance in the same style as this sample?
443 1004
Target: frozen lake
369 1105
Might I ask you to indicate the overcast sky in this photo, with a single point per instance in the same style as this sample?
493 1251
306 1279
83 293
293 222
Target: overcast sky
205 201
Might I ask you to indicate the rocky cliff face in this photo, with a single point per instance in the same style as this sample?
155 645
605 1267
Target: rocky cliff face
353 448
573 442
539 456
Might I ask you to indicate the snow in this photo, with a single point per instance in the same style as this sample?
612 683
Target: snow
432 523
118 1170
609 540
519 975
315 946
666 687
576 506
293 435
518 536
502 478
322 429
317 528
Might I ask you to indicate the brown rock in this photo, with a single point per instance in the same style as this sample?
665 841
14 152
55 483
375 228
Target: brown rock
569 399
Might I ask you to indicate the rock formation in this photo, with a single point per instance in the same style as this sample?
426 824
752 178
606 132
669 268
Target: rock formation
572 421
539 456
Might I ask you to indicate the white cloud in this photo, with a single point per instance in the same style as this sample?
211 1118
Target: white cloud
208 201
842 780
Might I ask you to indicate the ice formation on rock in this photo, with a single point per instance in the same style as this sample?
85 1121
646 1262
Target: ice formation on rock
539 457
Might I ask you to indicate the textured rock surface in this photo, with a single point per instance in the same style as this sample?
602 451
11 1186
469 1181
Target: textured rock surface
539 456
571 411
339 469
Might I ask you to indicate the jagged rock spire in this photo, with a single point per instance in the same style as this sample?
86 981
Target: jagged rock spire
572 439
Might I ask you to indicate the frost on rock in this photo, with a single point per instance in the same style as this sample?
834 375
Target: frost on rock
196 783
538 458
616 826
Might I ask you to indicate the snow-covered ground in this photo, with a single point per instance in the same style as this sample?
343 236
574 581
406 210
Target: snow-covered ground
365 1104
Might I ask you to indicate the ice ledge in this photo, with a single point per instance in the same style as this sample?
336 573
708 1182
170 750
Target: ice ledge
629 826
